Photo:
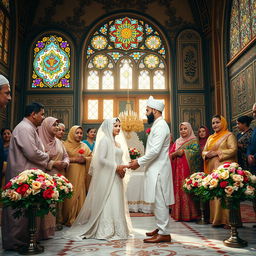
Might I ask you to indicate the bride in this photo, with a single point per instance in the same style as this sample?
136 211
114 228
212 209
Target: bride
104 214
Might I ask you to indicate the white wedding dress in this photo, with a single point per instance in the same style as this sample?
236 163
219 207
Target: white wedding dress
104 214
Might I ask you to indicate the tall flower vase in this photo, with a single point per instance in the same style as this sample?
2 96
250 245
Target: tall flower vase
234 240
202 220
33 247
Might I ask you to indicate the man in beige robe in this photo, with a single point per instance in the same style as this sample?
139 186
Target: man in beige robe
26 151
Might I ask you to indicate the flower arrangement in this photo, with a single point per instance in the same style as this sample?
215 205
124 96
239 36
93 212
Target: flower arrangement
35 187
134 153
228 181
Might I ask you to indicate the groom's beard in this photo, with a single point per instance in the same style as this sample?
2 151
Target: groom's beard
151 118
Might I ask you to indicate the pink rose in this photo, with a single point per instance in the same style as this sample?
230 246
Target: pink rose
148 131
240 172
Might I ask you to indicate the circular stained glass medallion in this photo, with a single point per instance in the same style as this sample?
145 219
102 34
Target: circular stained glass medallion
99 42
151 61
100 61
153 42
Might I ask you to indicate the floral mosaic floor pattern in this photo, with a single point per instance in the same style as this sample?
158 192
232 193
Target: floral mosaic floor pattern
188 239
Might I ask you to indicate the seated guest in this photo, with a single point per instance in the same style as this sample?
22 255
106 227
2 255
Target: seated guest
220 147
184 156
61 131
76 173
90 140
59 161
203 134
243 139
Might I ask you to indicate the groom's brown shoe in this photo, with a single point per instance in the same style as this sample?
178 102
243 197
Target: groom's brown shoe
155 232
158 239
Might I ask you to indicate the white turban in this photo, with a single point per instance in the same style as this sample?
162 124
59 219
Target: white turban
3 80
156 104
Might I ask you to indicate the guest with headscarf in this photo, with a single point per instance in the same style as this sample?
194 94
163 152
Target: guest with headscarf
184 156
220 147
203 134
80 156
243 140
59 161
61 132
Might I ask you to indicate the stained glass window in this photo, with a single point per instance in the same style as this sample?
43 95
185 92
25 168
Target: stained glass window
144 80
51 64
125 53
242 25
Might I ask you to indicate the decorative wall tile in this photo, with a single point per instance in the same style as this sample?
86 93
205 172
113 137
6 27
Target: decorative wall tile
243 89
190 76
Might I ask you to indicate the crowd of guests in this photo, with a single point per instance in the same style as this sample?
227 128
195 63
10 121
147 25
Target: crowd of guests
38 142
205 153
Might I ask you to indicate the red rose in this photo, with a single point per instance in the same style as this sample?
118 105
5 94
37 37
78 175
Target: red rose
223 184
22 189
195 184
8 185
189 182
59 175
246 179
47 194
148 131
81 151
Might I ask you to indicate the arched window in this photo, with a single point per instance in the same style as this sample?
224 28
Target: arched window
51 63
242 25
4 30
124 55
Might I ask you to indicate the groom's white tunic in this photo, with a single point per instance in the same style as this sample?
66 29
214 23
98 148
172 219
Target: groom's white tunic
157 163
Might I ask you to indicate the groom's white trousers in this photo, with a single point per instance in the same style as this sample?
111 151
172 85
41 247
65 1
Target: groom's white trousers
161 210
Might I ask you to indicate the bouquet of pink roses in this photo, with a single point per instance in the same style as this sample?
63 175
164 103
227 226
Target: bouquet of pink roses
35 187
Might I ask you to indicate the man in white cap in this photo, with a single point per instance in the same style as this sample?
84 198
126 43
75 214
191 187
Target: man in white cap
5 92
158 186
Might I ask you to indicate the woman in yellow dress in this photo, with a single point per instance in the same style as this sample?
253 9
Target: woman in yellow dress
220 147
80 157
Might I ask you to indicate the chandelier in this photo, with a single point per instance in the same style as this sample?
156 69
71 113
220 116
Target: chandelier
129 119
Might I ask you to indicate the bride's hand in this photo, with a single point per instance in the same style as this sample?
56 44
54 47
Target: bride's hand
121 170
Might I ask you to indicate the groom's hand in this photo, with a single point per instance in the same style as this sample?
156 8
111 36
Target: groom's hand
134 164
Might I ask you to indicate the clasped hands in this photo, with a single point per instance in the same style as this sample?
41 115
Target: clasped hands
121 168
60 165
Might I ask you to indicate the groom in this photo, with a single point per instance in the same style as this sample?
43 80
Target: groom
158 186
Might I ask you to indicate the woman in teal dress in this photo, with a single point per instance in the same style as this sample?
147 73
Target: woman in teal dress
90 140
185 160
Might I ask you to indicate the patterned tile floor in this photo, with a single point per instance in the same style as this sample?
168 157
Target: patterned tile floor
188 239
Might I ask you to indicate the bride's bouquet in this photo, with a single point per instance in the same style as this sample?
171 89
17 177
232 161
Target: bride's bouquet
134 153
35 187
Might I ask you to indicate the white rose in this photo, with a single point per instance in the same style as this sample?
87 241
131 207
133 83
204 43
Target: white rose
213 183
224 175
237 178
229 190
253 178
249 191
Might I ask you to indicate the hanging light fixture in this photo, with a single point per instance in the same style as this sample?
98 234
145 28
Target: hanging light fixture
130 119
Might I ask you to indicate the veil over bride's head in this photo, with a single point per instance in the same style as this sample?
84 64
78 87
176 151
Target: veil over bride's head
106 131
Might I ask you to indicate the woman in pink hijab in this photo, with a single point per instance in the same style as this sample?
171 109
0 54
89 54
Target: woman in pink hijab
58 163
184 155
